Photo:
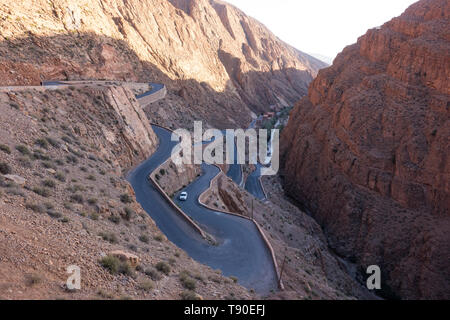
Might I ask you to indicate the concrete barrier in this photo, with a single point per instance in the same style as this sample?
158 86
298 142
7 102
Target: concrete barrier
151 98
262 187
58 85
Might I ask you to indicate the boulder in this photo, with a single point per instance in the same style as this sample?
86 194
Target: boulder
50 171
16 179
132 259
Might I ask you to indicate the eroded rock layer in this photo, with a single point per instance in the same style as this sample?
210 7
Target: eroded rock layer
214 57
367 151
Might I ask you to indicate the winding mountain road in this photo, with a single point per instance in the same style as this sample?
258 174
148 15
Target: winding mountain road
240 250
235 170
253 183
155 88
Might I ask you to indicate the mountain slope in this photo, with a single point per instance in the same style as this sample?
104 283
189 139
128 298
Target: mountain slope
212 56
367 151
64 200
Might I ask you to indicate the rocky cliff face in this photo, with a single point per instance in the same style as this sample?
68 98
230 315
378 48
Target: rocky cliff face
367 151
213 57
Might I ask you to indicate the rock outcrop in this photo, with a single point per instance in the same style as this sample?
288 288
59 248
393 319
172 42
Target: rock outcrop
219 60
367 151
130 258
16 179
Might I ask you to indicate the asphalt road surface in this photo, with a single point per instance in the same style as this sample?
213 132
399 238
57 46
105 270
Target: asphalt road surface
253 184
240 250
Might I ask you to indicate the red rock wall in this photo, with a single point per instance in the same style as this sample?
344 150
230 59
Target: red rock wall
181 43
367 151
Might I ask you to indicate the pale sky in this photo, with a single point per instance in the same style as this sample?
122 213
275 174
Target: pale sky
322 27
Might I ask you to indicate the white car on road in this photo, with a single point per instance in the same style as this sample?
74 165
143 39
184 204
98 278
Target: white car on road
183 196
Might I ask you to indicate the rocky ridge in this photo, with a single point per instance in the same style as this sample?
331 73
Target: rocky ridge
213 58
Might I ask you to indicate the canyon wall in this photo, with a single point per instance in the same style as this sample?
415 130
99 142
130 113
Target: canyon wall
64 201
220 63
367 151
